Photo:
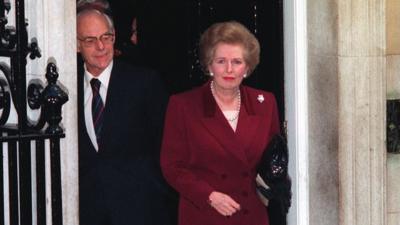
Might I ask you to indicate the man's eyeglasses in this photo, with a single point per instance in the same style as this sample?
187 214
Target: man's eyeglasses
107 38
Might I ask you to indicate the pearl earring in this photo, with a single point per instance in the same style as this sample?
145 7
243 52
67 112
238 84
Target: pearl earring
245 75
211 74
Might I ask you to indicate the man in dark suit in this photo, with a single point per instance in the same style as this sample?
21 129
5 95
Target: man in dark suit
121 113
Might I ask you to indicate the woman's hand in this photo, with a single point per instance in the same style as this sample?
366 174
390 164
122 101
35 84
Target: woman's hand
223 203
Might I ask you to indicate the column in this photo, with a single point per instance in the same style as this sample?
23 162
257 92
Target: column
362 109
52 22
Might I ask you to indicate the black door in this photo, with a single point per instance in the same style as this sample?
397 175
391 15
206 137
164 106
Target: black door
168 32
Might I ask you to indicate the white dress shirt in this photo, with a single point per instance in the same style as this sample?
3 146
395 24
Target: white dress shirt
104 78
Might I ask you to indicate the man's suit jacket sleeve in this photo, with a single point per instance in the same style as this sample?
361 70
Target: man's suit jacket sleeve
175 155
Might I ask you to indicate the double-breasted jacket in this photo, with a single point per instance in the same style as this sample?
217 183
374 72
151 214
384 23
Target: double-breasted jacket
201 153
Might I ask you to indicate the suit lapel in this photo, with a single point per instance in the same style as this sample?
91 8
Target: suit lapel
113 95
83 134
216 124
249 123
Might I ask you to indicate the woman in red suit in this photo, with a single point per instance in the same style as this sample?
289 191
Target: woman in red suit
215 135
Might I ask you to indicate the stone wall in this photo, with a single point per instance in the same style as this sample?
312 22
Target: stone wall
347 107
323 111
393 92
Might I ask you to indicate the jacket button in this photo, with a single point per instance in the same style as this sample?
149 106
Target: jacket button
223 176
245 193
245 211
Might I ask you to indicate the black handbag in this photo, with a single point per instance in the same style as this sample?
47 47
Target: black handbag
273 170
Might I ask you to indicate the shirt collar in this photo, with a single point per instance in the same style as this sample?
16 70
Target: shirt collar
104 76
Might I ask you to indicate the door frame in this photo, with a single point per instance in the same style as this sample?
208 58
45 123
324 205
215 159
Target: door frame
296 106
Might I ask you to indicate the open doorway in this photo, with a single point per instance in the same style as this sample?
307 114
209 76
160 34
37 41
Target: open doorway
168 33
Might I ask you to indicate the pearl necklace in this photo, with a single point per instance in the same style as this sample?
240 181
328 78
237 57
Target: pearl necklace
235 117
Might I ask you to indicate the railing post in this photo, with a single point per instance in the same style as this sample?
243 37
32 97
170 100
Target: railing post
17 139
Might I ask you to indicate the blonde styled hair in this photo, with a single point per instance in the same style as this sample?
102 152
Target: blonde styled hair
230 32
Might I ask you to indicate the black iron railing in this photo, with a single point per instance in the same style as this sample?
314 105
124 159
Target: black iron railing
20 140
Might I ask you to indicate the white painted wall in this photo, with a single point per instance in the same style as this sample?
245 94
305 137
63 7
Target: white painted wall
52 22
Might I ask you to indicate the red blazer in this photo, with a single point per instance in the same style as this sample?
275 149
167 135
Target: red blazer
201 153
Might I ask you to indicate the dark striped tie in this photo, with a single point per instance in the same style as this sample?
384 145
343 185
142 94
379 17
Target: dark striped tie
97 108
